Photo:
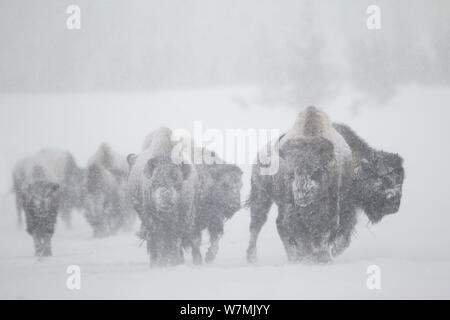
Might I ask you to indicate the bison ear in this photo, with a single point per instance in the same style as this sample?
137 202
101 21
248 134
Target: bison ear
150 167
283 151
185 170
236 169
131 159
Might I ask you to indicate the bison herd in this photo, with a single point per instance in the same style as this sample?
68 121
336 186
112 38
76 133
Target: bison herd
326 175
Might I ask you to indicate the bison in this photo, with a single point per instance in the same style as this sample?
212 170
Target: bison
41 201
45 185
377 185
62 169
311 189
106 206
219 198
162 193
177 199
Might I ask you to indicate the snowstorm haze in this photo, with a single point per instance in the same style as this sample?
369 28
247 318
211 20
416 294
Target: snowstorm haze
293 53
309 48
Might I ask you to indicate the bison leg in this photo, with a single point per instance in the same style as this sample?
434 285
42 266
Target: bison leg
259 209
292 245
65 214
42 244
343 236
215 233
340 245
19 211
152 252
196 241
46 245
37 244
176 253
343 240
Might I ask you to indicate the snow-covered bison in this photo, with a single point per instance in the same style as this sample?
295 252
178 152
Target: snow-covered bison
106 207
219 199
377 185
379 176
177 199
63 170
311 189
45 184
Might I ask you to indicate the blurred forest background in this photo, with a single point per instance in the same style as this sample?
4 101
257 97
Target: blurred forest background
302 52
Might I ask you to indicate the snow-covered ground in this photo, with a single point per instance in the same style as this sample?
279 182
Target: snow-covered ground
412 247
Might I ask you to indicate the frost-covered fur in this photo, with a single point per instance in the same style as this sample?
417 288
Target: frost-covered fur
310 189
379 177
56 166
219 199
41 201
46 184
158 141
156 144
163 195
176 201
106 206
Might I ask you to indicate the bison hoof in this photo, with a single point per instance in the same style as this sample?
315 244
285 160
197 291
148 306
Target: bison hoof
198 261
322 258
209 257
251 256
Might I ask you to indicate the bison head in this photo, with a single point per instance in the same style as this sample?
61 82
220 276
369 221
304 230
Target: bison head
42 198
226 189
379 184
165 182
309 163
